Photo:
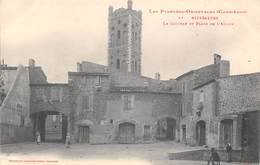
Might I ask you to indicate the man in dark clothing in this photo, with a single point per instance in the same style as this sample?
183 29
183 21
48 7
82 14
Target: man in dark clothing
214 157
229 150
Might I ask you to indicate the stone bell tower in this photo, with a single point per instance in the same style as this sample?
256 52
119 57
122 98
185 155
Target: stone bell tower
124 39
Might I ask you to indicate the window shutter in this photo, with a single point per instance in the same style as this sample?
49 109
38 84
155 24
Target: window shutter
132 101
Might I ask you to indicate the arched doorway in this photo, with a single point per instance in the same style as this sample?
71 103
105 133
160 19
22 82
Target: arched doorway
226 132
52 125
166 128
201 133
126 133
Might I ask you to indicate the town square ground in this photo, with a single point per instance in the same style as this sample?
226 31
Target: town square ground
58 154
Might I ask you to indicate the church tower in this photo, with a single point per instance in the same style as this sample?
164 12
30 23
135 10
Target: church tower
124 39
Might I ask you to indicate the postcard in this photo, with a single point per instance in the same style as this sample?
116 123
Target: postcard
129 82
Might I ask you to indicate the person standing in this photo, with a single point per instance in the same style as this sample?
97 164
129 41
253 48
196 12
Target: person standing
67 141
229 151
38 137
214 157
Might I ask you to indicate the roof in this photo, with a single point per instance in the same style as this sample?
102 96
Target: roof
88 73
206 83
185 74
8 67
240 75
139 90
50 84
37 75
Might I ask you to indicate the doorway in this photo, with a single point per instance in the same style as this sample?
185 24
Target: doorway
184 133
126 133
83 134
227 131
201 133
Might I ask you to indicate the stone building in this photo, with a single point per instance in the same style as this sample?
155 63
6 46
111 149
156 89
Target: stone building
116 104
218 109
15 120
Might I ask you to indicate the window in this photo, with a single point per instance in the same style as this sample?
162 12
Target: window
98 80
19 109
201 96
135 66
85 102
125 24
183 109
54 118
22 121
55 94
128 102
119 21
117 64
113 28
132 66
118 34
111 40
125 37
183 88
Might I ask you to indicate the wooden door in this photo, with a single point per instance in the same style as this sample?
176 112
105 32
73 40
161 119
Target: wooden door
184 133
201 133
228 131
84 134
147 132
170 132
126 133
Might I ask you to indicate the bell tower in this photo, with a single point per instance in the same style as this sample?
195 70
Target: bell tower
124 39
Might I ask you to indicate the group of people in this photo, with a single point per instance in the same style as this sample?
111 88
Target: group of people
38 139
215 158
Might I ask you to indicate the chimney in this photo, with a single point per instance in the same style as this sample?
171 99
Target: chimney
130 4
157 76
79 67
31 62
110 10
217 58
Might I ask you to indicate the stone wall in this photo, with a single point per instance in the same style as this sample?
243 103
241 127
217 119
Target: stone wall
9 76
50 97
14 111
240 93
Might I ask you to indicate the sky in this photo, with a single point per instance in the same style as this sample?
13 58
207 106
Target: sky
60 33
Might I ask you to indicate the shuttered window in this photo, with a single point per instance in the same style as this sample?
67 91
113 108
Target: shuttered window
128 102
